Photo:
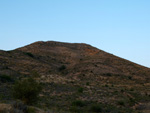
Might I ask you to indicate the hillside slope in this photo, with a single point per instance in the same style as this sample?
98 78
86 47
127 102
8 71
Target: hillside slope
78 59
72 71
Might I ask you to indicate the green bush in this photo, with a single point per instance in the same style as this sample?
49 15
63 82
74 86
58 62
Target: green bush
27 90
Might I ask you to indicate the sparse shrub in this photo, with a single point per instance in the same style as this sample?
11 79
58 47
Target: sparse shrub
132 101
80 90
35 74
121 102
61 68
27 90
87 83
29 54
96 108
75 109
130 77
106 85
6 78
115 92
2 96
96 65
83 75
5 67
31 110
81 59
107 74
131 89
78 103
122 90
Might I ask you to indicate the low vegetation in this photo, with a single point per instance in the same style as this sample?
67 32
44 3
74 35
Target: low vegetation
29 54
27 90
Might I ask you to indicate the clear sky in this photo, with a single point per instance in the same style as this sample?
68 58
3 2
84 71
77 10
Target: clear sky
120 27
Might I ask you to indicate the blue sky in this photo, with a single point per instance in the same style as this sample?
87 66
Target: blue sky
120 27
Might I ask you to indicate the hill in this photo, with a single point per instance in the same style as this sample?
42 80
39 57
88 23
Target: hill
77 77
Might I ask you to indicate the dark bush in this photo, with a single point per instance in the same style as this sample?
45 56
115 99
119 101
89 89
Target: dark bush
131 89
29 54
87 83
75 109
5 67
32 110
132 101
78 103
27 90
5 78
130 77
96 108
121 102
106 85
122 90
80 90
61 68
108 74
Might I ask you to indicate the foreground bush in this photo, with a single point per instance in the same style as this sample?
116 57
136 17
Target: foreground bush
27 90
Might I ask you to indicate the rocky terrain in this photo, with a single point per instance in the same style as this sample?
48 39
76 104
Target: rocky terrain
77 77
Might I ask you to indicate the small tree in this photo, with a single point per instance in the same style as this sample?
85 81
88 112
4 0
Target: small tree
27 90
